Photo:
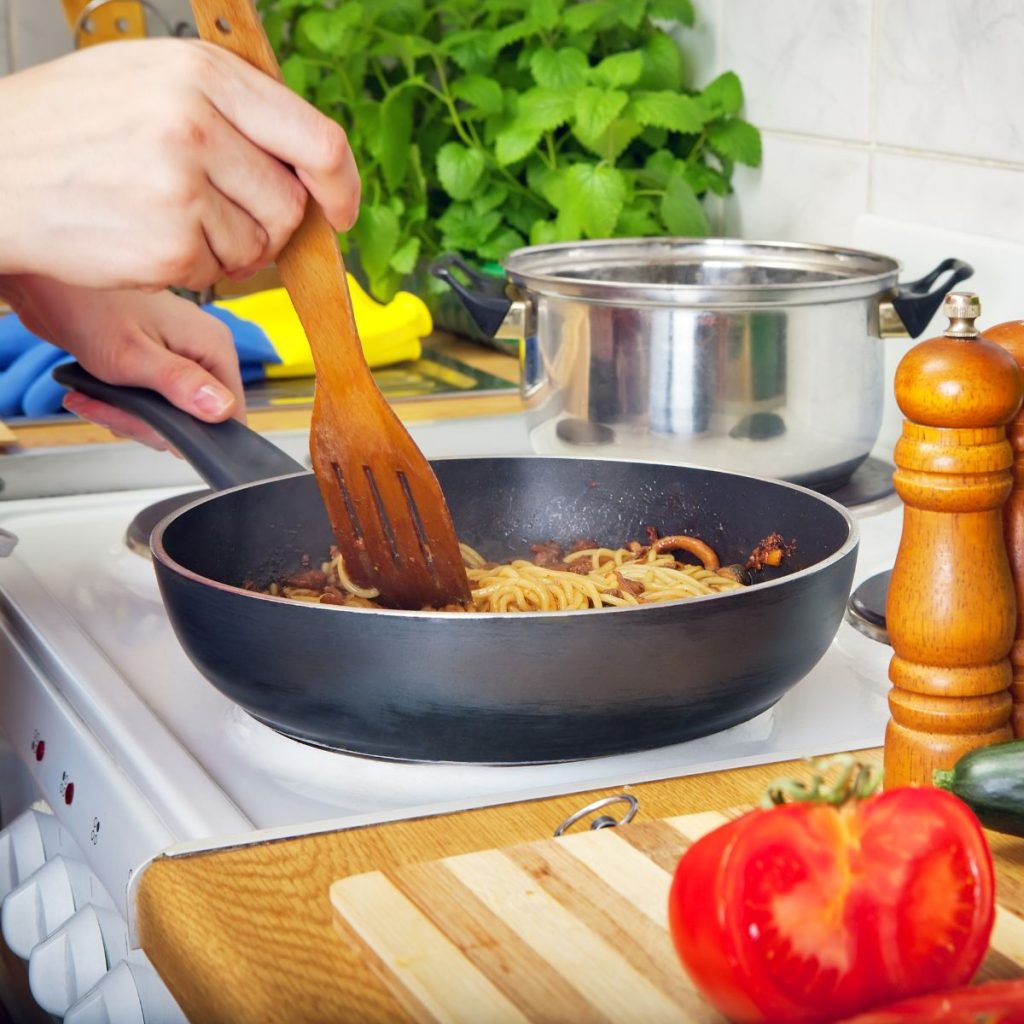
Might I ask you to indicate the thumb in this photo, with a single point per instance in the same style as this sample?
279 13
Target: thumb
184 383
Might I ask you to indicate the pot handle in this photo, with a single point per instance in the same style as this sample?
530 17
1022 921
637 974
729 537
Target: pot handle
223 454
484 296
909 311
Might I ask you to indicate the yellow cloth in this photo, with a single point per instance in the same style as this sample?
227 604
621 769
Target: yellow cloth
389 333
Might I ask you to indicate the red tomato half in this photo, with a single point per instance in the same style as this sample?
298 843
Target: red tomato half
806 912
997 1002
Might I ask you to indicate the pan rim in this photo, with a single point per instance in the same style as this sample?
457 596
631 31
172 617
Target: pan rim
160 554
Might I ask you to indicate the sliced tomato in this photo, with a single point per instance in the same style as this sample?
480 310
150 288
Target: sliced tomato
997 1002
807 912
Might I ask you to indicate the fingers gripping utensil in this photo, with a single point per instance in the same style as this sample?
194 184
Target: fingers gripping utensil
390 519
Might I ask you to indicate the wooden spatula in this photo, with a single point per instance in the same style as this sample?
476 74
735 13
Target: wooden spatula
390 519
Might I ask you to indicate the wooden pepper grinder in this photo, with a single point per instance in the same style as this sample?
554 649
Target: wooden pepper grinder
1011 336
951 610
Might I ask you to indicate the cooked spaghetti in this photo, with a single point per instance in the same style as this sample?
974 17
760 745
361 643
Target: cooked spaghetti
587 576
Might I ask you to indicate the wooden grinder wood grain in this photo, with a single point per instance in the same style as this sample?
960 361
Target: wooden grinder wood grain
951 610
1010 335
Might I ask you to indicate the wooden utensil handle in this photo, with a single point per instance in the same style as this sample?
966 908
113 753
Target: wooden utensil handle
310 264
235 25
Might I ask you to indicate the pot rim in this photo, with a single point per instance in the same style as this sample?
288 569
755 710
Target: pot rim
840 274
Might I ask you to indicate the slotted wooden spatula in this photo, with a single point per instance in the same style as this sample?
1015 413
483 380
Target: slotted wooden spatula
390 519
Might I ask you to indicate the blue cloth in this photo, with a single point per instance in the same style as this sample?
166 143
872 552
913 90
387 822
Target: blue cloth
26 362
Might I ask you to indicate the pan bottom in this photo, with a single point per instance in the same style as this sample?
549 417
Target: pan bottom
587 749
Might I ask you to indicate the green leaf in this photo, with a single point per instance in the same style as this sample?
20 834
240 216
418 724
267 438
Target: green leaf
482 93
400 16
663 63
611 144
619 69
459 169
328 31
395 136
544 109
515 143
584 16
403 261
673 10
659 166
545 232
514 33
273 25
724 95
631 12
464 229
638 218
539 111
559 69
470 49
596 109
490 199
736 139
594 195
376 235
682 211
545 14
296 73
329 91
664 109
499 245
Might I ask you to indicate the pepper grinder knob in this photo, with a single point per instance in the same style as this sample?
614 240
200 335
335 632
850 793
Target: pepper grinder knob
1010 336
951 611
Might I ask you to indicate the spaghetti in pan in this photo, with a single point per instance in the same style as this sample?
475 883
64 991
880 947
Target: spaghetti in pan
586 576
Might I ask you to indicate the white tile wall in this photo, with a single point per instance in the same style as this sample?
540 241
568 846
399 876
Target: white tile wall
820 183
909 110
805 64
950 77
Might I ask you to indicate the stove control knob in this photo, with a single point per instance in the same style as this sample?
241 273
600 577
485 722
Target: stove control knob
27 842
45 900
75 957
131 993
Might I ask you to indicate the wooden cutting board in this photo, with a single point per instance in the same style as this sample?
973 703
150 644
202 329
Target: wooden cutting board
568 929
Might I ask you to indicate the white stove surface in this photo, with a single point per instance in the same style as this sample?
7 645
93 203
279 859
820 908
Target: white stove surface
88 612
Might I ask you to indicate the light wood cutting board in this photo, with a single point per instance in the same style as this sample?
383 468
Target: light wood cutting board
569 929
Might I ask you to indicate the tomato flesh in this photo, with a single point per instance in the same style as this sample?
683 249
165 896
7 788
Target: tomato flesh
805 913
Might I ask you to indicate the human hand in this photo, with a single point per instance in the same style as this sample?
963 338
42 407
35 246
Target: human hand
157 341
160 162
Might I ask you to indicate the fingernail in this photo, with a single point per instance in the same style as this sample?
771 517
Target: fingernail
212 401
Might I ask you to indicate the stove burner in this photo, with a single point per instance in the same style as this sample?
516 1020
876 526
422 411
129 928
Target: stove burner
866 610
139 529
871 480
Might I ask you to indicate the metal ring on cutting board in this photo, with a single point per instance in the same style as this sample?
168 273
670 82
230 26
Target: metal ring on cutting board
605 820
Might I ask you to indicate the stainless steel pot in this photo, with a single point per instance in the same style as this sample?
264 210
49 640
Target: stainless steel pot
754 357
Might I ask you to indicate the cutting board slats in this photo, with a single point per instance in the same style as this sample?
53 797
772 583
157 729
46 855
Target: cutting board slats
568 929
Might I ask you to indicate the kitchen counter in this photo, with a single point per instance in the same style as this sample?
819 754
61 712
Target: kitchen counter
247 933
454 406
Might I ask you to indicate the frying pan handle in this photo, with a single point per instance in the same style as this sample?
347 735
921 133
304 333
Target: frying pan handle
223 454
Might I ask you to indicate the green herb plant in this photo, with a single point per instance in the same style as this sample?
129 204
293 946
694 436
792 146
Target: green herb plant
483 125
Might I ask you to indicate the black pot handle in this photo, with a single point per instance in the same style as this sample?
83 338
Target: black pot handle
916 304
223 454
484 297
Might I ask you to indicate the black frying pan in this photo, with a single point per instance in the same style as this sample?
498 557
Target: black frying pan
492 688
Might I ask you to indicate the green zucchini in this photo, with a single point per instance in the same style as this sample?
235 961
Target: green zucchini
990 780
